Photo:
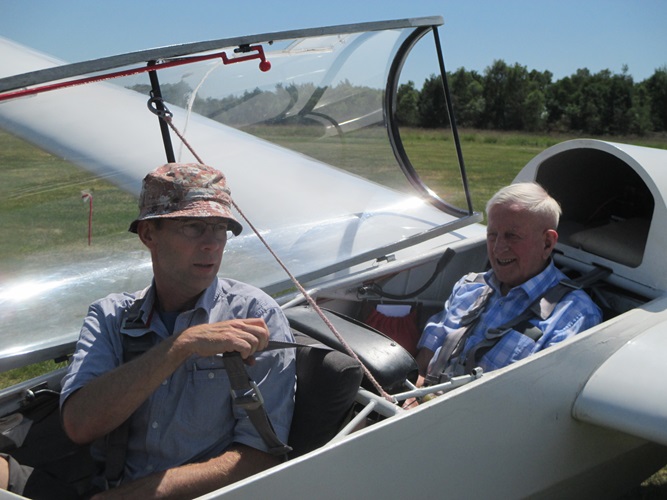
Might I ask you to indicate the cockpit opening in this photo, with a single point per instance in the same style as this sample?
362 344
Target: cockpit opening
607 207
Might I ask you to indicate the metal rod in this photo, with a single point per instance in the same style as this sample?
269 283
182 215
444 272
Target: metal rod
164 127
452 118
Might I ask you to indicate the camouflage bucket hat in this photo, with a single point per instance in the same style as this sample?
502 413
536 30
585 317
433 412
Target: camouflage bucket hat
185 190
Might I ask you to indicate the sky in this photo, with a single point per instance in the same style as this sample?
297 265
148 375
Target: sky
556 35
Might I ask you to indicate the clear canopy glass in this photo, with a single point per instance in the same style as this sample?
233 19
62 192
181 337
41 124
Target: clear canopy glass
313 150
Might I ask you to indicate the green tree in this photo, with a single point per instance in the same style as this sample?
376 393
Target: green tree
515 98
534 111
656 88
617 113
467 90
601 103
432 107
640 119
558 98
496 95
407 104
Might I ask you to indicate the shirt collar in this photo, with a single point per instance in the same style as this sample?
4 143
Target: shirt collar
208 299
531 288
205 302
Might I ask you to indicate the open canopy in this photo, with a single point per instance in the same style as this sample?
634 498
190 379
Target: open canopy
312 149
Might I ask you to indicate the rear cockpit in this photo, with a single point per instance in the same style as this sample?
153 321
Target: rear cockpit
607 207
610 196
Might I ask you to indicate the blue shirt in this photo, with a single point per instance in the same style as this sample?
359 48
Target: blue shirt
190 417
574 313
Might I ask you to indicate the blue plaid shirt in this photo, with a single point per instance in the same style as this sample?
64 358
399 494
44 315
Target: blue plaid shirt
574 313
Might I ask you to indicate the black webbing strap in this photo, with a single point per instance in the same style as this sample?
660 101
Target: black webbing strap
246 395
441 264
454 341
133 347
541 308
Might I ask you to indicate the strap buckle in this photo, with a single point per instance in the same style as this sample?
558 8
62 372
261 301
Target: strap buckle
248 399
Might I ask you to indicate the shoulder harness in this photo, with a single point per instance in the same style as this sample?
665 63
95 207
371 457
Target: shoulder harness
245 395
441 371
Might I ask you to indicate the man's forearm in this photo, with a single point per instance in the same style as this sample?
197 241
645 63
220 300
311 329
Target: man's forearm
107 401
423 359
193 480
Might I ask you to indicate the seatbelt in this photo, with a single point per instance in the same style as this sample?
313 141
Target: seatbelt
541 308
133 347
455 340
441 264
245 393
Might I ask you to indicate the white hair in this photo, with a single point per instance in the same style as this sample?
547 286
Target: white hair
530 196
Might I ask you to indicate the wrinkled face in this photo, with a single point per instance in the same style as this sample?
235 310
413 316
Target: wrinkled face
186 253
518 244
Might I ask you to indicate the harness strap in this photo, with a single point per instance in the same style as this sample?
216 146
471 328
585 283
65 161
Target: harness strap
455 341
541 308
246 395
116 446
377 289
133 347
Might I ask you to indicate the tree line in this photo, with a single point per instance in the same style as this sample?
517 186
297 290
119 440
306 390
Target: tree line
503 97
510 97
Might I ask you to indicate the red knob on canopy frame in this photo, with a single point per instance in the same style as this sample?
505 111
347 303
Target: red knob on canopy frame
251 52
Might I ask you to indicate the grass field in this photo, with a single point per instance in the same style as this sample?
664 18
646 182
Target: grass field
32 217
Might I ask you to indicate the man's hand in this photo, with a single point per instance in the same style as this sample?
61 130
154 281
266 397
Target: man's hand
414 402
4 474
245 336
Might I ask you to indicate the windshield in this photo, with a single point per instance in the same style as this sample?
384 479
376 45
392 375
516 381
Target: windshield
313 149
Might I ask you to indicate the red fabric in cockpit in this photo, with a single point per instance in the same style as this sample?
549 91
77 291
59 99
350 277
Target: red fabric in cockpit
403 329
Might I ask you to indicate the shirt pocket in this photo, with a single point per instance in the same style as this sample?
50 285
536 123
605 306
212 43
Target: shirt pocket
209 393
511 348
210 369
519 345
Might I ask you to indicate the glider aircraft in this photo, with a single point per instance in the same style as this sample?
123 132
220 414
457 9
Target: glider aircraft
305 126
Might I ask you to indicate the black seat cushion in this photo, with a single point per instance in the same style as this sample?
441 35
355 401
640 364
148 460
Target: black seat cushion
389 363
327 383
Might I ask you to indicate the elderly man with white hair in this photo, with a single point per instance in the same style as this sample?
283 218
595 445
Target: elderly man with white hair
484 322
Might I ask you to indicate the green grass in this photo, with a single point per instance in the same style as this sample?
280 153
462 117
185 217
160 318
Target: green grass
42 207
12 377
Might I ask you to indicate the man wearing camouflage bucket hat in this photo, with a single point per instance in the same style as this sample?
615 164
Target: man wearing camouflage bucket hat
185 436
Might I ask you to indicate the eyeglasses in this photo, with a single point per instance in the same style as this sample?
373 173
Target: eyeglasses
195 228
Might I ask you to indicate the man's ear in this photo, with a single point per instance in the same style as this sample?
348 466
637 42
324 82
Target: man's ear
550 240
146 231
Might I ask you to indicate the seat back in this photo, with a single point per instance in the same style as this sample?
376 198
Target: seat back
389 363
327 383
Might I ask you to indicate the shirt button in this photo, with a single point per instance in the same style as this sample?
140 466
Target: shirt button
164 382
211 375
155 425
